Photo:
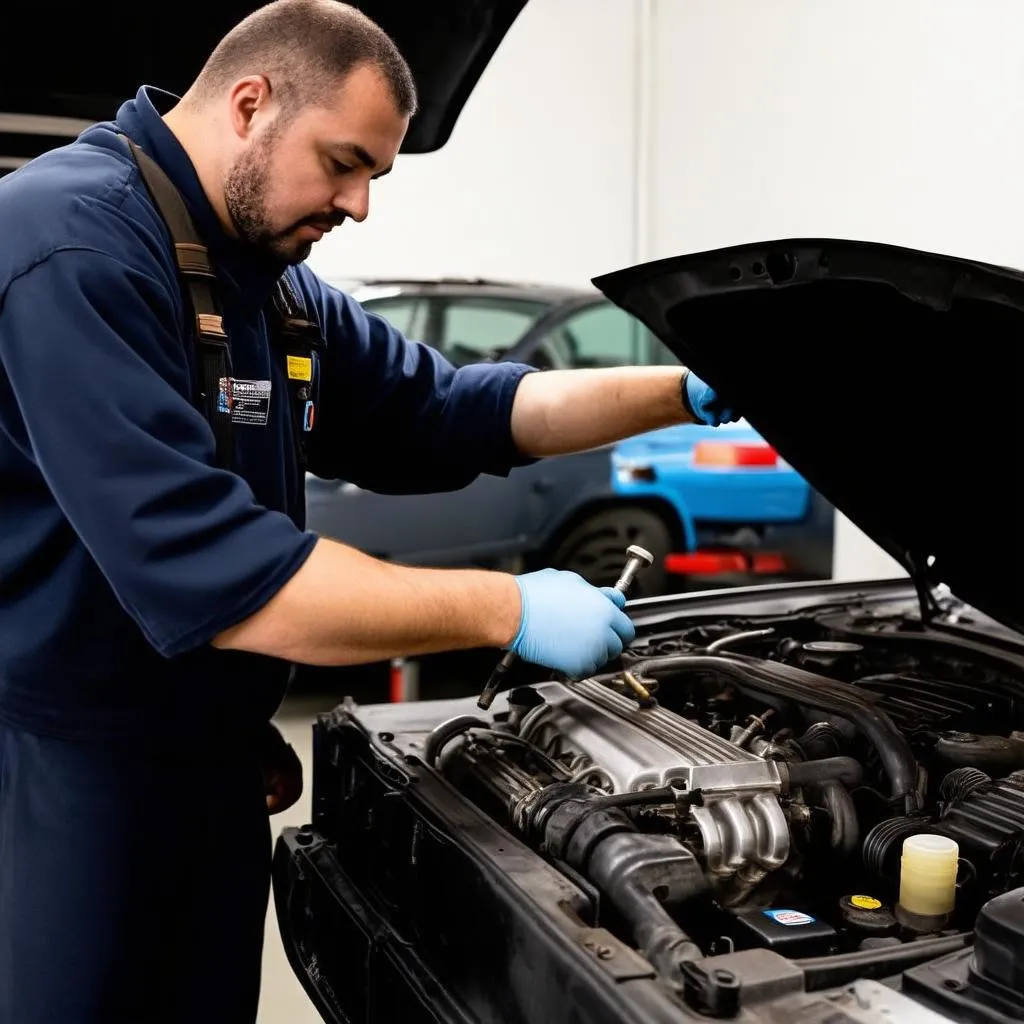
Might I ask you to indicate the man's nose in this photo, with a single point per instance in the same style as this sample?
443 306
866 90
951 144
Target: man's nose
354 202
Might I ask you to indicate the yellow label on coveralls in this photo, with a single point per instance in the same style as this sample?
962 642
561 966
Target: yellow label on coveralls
300 368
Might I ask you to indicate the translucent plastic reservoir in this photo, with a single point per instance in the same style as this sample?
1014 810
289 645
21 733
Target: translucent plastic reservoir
928 875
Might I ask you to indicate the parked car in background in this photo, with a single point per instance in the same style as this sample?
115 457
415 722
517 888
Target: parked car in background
705 501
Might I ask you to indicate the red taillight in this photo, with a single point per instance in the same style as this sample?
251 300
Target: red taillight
707 563
713 563
770 563
731 453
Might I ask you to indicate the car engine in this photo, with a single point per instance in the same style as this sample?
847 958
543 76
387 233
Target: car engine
750 782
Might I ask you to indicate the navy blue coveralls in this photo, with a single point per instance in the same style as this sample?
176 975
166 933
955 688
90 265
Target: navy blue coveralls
134 839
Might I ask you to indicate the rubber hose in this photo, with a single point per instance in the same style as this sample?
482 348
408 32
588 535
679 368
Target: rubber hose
664 943
823 972
961 782
759 678
621 877
660 938
884 843
845 837
448 731
821 740
829 769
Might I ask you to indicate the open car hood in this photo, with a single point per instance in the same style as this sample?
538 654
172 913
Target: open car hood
889 378
61 73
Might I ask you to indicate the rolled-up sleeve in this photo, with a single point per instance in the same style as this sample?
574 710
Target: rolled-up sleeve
398 418
91 353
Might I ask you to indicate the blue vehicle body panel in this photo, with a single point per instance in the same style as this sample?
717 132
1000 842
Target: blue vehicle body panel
750 494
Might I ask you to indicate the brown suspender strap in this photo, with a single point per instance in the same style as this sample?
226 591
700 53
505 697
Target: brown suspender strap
301 343
196 271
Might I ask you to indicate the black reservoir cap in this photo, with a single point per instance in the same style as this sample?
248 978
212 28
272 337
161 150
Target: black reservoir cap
791 933
867 915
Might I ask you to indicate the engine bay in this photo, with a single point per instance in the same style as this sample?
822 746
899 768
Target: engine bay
751 783
745 782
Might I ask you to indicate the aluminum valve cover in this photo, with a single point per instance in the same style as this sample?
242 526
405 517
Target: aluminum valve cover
745 833
641 748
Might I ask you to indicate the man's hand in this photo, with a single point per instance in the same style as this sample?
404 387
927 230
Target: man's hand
704 402
568 625
282 772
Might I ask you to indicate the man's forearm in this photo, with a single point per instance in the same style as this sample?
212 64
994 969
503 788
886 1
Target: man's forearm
345 608
561 411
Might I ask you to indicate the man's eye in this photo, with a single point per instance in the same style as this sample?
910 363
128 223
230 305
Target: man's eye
340 168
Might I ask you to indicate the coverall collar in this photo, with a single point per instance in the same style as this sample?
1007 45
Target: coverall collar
252 272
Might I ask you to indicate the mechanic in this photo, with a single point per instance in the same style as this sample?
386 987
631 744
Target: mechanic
153 599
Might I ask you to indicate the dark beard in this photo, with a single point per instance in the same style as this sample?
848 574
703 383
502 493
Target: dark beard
245 195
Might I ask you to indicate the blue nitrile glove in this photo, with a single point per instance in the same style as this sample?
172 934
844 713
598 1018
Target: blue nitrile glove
704 403
569 625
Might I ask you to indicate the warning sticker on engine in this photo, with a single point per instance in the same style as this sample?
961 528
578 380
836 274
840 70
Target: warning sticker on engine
789 917
248 400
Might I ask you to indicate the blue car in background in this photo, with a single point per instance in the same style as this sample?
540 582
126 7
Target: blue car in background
705 501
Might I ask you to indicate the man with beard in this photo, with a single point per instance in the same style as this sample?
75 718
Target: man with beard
153 600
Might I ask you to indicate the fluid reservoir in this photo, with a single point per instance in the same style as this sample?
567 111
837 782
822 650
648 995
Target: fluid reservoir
928 871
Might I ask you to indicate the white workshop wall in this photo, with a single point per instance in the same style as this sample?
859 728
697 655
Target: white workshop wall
536 182
895 120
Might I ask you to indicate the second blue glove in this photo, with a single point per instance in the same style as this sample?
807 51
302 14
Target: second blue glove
569 625
706 404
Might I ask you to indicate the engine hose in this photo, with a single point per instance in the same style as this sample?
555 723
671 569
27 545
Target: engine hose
626 867
829 769
884 843
761 679
827 782
448 731
961 782
638 873
822 739
663 942
821 972
845 837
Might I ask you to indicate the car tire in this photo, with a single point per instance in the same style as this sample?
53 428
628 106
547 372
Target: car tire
596 548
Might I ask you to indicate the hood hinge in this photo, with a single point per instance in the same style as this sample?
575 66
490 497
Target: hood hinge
919 573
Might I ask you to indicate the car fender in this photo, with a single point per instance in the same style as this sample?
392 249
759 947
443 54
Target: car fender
661 462
650 494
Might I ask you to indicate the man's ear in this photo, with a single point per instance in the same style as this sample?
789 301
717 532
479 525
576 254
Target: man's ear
248 102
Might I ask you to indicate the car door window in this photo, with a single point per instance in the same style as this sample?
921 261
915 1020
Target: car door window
475 329
552 351
404 313
605 335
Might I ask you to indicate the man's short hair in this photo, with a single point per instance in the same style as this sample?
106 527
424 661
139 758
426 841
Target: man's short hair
305 48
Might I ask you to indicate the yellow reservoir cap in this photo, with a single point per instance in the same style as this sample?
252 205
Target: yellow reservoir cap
928 875
865 902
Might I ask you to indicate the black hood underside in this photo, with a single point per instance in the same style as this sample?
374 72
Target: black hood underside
889 378
82 63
